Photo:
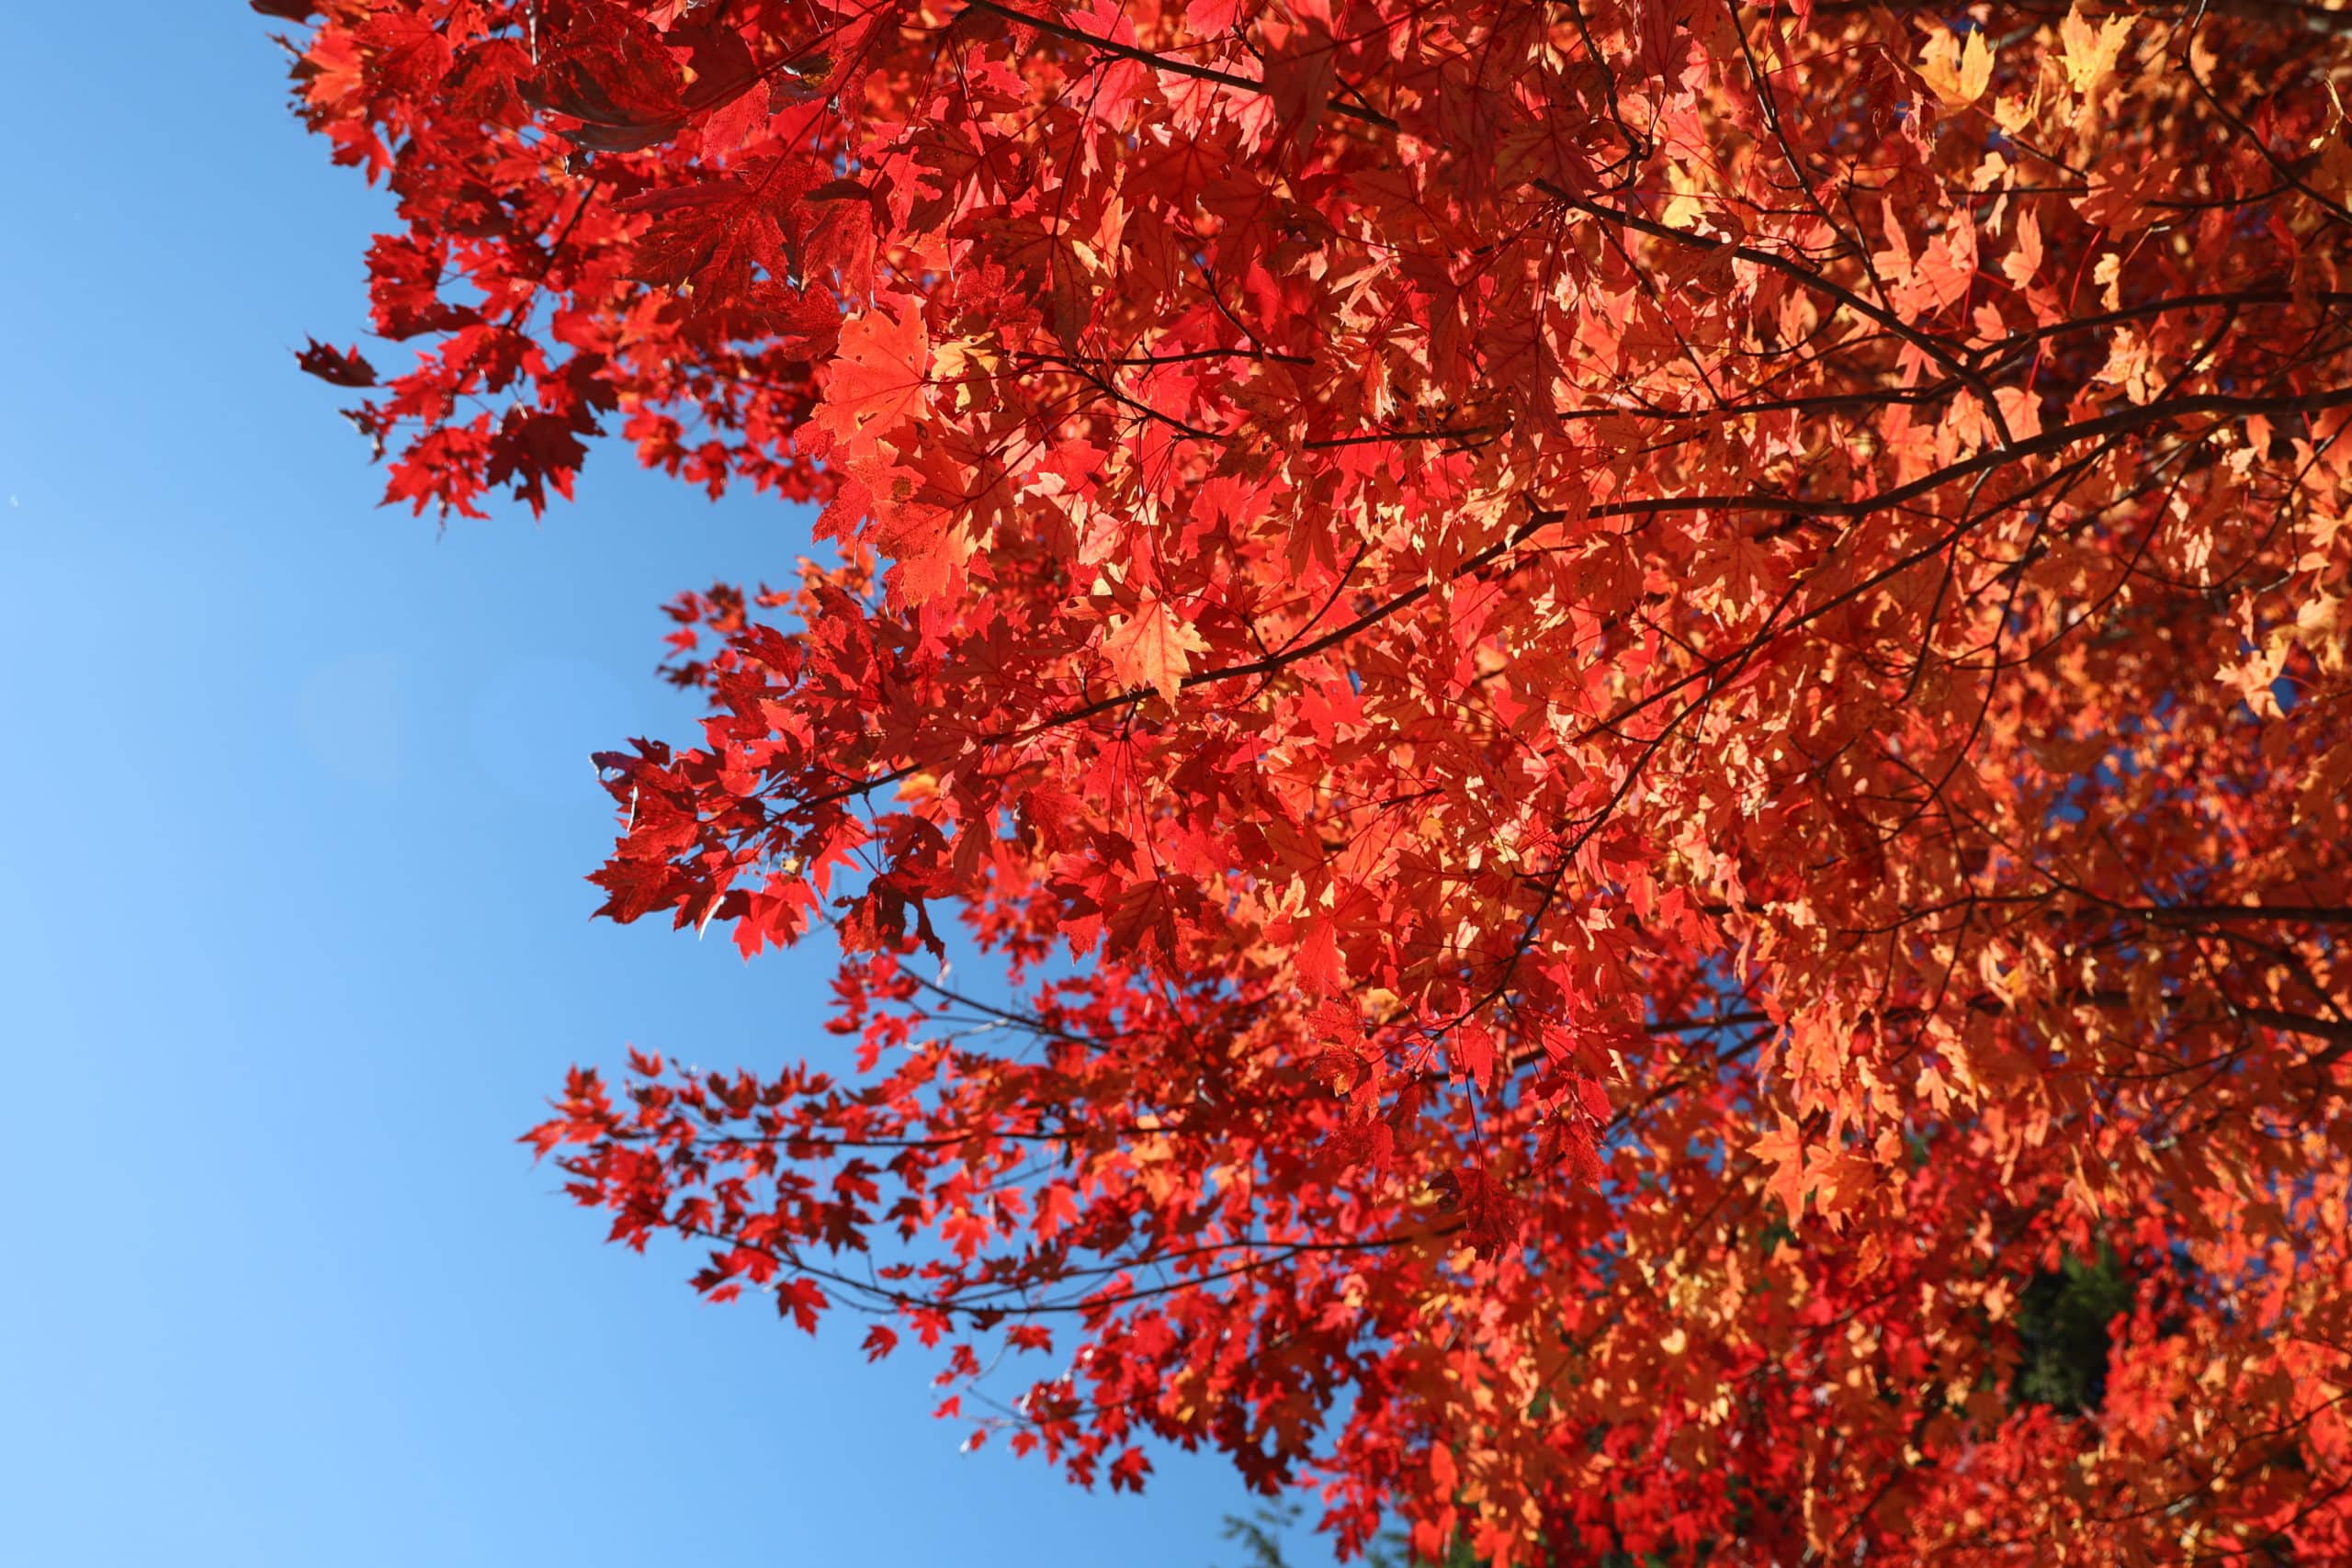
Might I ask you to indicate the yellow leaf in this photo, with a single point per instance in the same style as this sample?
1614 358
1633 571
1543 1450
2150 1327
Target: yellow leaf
2109 274
962 361
1958 74
2091 52
1684 210
2013 113
1148 649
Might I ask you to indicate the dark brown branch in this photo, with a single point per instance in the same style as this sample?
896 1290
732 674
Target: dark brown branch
1161 62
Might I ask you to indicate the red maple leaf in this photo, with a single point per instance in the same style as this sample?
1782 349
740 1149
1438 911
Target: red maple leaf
1632 715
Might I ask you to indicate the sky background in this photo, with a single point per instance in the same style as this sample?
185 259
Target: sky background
293 940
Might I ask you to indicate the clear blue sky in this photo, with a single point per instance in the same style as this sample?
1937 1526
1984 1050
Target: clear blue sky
293 941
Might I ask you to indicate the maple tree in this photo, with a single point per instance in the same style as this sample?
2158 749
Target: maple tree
1647 699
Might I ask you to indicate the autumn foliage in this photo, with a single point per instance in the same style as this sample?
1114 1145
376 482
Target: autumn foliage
1647 698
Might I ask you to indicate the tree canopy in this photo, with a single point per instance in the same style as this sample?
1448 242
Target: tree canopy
1645 698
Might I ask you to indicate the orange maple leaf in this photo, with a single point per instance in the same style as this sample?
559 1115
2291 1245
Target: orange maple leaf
1148 648
1783 1149
878 377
